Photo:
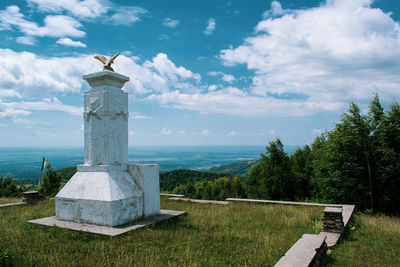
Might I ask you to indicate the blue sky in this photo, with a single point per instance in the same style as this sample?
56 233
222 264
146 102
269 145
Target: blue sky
202 72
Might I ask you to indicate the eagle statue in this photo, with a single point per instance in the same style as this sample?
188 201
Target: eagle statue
107 62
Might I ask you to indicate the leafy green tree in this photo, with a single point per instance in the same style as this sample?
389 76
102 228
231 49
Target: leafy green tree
219 189
301 167
8 188
238 190
386 135
344 166
171 179
272 177
51 182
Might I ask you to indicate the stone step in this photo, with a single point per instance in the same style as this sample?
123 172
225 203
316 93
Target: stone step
307 251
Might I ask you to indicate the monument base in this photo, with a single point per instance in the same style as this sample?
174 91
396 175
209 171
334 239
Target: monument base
105 230
109 195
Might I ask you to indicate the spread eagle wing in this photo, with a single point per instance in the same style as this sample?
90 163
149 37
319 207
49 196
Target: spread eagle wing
111 60
101 58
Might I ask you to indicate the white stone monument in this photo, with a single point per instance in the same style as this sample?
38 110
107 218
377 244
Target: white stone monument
106 190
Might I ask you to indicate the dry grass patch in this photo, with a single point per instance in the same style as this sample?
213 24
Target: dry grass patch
6 200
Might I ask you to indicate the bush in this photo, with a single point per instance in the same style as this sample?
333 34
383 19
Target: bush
51 182
8 188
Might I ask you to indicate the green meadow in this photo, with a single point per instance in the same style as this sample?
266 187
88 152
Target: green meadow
210 235
237 234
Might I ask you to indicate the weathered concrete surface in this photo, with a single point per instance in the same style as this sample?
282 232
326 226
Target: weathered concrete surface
106 190
104 230
103 198
170 195
331 238
106 119
348 211
146 177
12 204
307 251
32 197
203 201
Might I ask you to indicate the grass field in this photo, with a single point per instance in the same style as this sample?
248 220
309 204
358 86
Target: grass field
4 200
238 234
374 241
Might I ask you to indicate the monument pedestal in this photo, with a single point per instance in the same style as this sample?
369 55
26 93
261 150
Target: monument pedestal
106 191
110 195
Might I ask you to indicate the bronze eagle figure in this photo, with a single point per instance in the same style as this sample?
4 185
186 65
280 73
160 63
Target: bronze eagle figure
107 62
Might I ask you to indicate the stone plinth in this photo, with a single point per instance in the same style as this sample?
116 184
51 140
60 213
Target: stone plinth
102 195
106 119
32 197
147 179
332 221
106 190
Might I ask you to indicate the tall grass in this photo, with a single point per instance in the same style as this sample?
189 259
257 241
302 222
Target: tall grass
372 241
5 200
238 234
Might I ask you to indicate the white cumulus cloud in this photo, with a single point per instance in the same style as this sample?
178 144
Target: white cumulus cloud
54 25
27 40
68 42
229 78
46 104
12 113
232 133
338 52
171 23
81 9
165 131
205 132
210 26
127 15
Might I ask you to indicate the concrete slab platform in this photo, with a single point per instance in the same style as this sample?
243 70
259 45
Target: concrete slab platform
303 252
202 201
104 230
12 204
170 195
331 238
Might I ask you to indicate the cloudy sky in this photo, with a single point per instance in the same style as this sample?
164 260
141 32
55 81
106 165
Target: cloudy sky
205 72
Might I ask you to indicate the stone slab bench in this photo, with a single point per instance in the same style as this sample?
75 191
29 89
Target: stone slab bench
307 251
32 197
170 195
202 201
12 204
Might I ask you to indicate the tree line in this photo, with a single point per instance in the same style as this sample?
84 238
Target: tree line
357 162
8 187
48 187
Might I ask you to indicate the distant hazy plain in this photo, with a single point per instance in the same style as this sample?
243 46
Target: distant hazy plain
26 162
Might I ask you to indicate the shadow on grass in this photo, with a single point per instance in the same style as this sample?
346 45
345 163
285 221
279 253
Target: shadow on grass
182 222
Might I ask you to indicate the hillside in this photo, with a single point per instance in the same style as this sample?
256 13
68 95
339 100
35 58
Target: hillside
239 168
67 173
169 180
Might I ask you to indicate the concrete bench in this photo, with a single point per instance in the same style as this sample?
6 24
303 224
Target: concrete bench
307 251
32 197
202 201
170 195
